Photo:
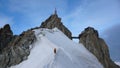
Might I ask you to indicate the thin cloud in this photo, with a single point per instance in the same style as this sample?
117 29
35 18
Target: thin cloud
95 13
112 37
35 6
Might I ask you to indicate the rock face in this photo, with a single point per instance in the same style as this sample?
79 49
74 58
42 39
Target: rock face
90 38
6 36
54 21
16 49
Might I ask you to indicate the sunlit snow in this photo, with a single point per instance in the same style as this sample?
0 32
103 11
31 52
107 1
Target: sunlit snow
68 53
118 63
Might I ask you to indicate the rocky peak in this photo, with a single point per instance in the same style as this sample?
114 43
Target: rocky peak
7 27
91 30
6 36
6 30
96 45
54 21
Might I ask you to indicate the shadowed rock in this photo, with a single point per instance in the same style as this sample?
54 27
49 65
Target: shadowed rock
16 49
6 35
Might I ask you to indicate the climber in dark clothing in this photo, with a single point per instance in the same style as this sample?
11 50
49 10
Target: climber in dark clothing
55 50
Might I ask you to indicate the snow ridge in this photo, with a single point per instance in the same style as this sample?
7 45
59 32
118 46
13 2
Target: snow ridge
68 53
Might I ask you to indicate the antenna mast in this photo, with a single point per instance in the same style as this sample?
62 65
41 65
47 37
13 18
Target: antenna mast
55 11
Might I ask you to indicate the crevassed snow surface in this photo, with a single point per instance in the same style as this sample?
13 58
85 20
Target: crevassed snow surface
68 53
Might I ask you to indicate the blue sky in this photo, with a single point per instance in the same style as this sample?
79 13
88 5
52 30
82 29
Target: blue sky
103 15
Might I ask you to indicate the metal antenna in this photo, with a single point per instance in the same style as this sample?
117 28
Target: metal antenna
55 11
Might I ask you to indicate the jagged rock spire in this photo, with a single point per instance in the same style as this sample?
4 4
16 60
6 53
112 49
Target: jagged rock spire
6 35
54 21
96 45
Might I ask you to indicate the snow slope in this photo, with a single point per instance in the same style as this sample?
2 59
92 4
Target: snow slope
68 53
118 63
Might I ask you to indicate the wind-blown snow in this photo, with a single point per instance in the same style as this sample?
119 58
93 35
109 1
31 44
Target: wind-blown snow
68 53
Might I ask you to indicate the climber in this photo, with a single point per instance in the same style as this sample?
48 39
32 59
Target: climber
54 50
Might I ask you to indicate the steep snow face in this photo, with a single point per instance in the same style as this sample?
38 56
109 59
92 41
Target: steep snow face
54 50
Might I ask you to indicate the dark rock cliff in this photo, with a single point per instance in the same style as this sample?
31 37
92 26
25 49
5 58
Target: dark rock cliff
14 49
54 21
6 35
96 45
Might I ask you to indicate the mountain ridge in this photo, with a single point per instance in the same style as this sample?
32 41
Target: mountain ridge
18 47
69 55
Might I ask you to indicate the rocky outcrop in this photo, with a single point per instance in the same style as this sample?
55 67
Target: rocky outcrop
6 35
54 21
17 49
90 39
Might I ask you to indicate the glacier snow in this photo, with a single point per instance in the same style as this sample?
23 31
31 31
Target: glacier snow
69 54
